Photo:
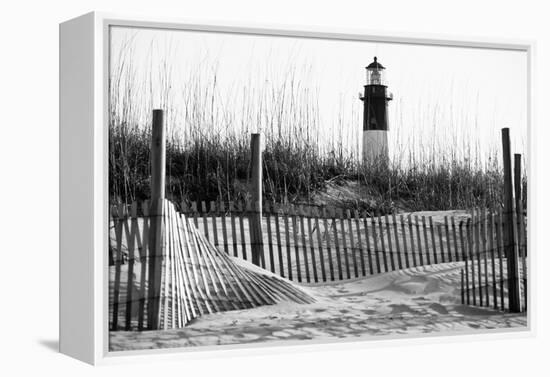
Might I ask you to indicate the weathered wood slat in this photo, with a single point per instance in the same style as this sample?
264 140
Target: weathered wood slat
223 217
471 252
170 315
405 250
411 234
448 239
204 214
397 243
312 249
477 229
295 232
453 226
177 309
465 259
522 242
419 239
518 255
288 250
352 244
144 260
254 211
500 249
360 242
337 248
320 247
214 219
132 234
382 243
167 267
426 242
367 242
441 244
462 286
493 257
329 248
242 230
195 214
484 248
118 263
434 244
180 315
344 243
233 229
304 244
267 208
390 248
375 245
279 244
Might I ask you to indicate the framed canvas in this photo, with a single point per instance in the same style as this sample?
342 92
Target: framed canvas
223 187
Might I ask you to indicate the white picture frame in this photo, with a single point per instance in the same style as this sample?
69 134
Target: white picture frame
84 49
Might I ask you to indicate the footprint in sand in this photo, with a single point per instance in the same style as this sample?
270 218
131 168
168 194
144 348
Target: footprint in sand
420 299
280 334
402 308
438 308
369 311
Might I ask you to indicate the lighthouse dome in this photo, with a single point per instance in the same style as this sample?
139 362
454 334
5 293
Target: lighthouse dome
375 64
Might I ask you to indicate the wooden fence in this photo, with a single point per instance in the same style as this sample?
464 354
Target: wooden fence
315 245
485 274
495 272
312 245
195 277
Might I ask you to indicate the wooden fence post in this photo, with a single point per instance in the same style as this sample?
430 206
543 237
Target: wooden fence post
158 155
519 223
255 217
158 174
509 242
517 183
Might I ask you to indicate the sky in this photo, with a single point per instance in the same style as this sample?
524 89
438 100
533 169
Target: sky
442 96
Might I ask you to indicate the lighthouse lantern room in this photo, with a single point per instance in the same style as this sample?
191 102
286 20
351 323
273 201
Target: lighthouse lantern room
375 73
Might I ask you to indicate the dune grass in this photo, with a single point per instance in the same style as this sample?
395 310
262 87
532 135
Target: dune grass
217 169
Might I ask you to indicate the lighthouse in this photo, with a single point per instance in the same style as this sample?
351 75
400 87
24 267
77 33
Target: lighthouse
375 114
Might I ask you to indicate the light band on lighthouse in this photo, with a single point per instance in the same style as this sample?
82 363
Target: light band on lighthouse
375 115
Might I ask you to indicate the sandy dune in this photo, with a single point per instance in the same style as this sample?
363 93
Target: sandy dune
413 301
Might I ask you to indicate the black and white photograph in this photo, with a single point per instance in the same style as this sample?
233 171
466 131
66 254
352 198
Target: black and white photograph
268 189
275 188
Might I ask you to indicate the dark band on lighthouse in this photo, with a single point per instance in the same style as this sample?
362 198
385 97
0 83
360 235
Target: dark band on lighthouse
375 99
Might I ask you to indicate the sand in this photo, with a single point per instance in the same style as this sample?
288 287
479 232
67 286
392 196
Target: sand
414 301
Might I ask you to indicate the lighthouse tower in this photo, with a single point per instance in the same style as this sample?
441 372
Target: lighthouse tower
375 115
